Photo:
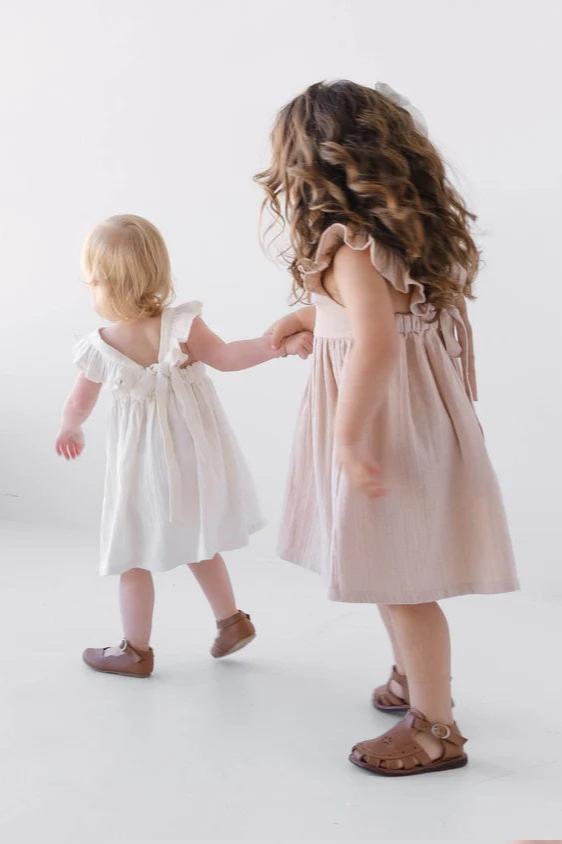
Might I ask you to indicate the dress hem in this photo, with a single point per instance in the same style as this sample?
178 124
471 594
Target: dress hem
364 597
234 546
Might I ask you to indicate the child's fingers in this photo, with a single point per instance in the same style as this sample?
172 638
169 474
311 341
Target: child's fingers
371 482
374 490
61 447
306 345
371 471
277 336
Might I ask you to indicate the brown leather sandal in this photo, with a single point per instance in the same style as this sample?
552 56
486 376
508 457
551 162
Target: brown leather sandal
398 754
131 662
235 633
386 701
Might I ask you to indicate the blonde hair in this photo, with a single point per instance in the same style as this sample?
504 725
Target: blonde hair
128 255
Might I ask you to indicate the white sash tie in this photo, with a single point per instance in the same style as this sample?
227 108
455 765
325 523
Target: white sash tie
158 379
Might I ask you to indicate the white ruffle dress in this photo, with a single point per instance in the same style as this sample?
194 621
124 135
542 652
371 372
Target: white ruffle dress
177 488
441 529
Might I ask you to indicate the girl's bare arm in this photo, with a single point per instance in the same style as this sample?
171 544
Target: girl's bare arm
366 296
369 363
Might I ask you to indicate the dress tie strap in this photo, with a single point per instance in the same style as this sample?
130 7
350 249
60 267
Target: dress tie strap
457 336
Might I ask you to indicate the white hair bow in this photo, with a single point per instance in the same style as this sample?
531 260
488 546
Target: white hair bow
389 92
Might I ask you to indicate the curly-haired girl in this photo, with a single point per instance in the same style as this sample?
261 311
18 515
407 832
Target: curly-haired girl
391 493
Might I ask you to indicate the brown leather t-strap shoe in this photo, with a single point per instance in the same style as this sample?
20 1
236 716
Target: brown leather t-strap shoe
398 754
386 701
131 662
235 633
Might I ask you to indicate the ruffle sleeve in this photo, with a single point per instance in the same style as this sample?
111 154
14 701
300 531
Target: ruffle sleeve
177 327
90 360
388 263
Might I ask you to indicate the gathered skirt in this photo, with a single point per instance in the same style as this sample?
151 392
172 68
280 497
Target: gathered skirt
441 529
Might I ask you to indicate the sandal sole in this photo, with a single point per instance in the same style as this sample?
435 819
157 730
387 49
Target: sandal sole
401 772
237 647
398 709
118 673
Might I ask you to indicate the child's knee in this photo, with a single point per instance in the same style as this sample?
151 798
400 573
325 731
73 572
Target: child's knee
201 565
135 574
411 609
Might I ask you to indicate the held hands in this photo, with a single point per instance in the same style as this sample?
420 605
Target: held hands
290 336
281 330
70 443
364 474
298 344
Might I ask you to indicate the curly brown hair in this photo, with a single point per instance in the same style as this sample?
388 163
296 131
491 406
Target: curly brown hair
345 153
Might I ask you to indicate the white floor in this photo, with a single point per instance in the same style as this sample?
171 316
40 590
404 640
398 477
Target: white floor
255 747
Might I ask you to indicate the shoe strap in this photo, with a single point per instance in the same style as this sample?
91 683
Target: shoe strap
399 678
233 619
128 649
444 732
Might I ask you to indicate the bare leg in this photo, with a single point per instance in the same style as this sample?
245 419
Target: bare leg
422 633
396 688
213 578
136 593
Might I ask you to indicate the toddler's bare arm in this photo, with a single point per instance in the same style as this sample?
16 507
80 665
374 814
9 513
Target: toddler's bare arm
203 345
77 408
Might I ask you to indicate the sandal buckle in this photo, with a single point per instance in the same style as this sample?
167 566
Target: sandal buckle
441 731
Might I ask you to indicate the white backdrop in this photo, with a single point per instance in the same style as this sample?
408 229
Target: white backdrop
162 108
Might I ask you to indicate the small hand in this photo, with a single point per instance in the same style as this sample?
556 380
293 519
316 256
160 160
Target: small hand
363 473
70 443
299 344
281 330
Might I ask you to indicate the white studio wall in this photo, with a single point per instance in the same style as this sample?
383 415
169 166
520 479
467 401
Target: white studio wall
163 109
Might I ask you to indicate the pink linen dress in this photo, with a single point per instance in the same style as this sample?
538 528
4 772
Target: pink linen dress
441 528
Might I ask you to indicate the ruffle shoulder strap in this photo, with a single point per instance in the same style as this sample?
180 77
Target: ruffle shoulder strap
388 263
175 329
88 358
